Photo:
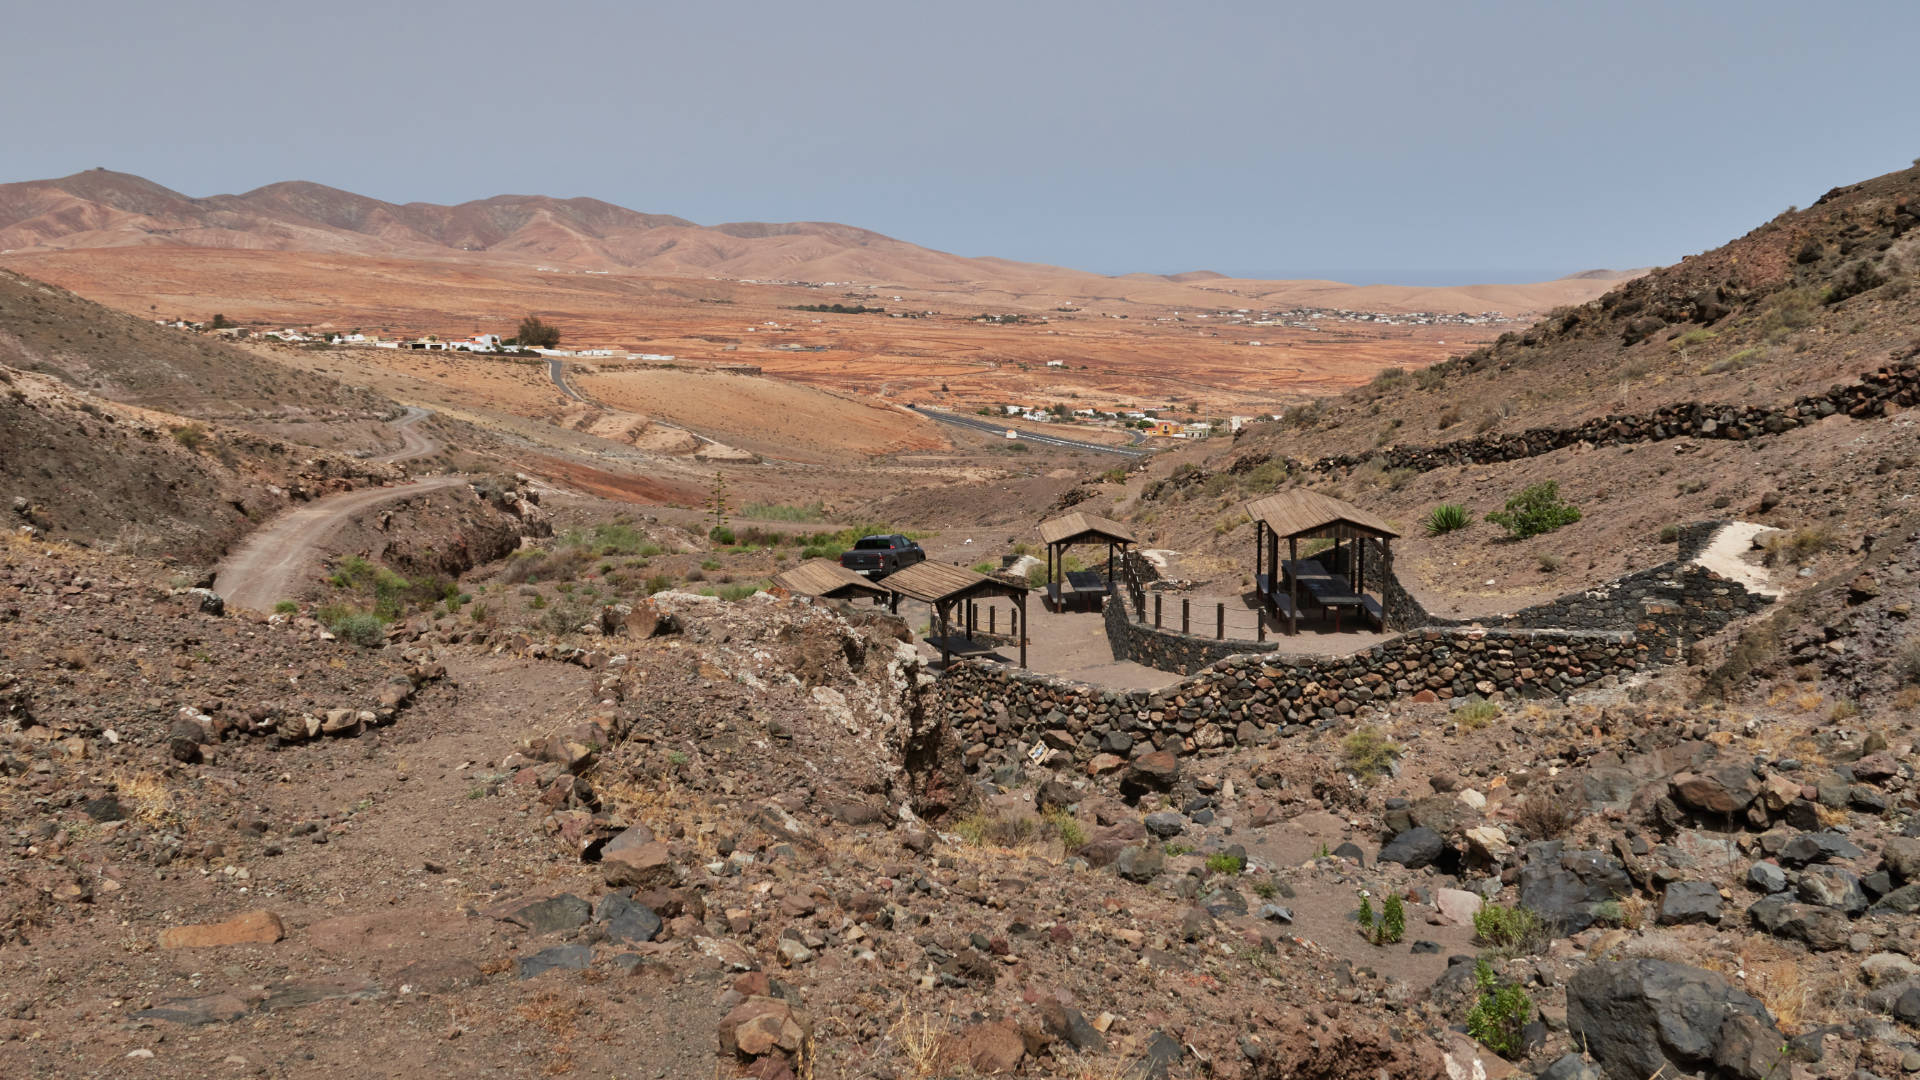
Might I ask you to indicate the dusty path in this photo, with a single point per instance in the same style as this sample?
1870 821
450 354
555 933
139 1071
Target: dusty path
1722 556
413 443
265 568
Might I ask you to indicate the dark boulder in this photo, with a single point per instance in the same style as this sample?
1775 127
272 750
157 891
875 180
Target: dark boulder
1413 849
1641 1018
1690 902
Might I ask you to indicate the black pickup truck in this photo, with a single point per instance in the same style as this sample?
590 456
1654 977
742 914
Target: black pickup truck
878 556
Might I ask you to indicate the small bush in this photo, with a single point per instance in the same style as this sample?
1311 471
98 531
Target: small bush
1546 814
1499 1014
1368 752
1067 828
1799 546
1477 713
987 830
190 436
722 535
1505 927
1669 534
1536 510
1389 926
813 511
1907 664
1548 562
1223 863
361 628
285 607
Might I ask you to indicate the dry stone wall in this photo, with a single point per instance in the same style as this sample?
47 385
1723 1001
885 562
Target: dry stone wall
1878 393
1243 692
1248 699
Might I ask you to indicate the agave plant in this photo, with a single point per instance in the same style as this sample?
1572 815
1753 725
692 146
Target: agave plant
1447 517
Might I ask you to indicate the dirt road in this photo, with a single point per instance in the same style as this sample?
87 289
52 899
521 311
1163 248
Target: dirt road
266 568
413 444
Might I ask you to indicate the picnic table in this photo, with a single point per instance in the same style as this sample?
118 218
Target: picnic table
1082 589
1329 591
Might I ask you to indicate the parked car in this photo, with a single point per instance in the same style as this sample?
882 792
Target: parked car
878 556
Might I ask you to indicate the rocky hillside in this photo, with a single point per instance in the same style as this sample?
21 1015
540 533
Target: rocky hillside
47 329
1772 379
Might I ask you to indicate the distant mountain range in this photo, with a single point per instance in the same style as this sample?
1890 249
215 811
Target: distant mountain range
101 209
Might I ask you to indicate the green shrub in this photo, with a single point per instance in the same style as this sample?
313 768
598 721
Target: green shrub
1393 920
984 568
1499 1014
1389 926
1548 562
1505 927
1223 863
722 535
1534 511
1265 890
361 628
813 511
1446 518
1477 713
1800 545
1368 752
286 607
190 436
1669 534
1067 828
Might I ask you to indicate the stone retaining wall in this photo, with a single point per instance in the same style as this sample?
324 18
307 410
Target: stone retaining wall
1677 602
1878 393
1251 698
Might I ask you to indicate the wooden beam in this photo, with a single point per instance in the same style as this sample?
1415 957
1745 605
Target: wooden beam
1020 599
1293 587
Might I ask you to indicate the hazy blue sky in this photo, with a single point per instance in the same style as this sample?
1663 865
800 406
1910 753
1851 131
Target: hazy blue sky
1396 140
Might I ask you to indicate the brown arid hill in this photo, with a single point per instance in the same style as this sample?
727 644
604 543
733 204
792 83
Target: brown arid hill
1759 330
124 358
97 210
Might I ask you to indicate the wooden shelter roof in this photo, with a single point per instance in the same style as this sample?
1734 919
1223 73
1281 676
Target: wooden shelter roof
824 577
935 583
1076 525
1301 513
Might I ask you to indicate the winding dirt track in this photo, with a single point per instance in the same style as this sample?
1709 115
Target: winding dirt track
413 444
266 568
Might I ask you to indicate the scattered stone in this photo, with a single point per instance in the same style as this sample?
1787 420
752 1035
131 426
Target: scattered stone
1070 1026
1689 902
552 914
557 958
1413 849
251 928
1166 824
1456 907
1140 863
627 921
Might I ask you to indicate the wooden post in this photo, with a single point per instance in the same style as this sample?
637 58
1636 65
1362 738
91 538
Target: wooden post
1220 621
1259 552
973 617
1259 624
1186 615
1110 582
1157 597
1293 587
992 613
1360 566
1021 633
946 655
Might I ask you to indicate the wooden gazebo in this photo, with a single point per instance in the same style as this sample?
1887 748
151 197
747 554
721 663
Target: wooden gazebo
1062 533
1297 515
941 587
829 581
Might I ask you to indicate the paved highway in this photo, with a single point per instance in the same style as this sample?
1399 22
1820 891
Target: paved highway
978 424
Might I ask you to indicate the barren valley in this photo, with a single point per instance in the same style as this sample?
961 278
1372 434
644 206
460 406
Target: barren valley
1496 698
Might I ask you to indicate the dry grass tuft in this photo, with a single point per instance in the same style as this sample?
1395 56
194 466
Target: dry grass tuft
917 1037
146 798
